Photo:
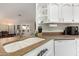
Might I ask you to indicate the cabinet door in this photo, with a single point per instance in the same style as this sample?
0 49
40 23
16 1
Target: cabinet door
67 13
41 13
41 9
49 52
76 12
65 48
54 11
77 43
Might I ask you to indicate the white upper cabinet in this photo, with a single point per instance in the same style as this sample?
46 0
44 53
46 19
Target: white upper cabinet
67 13
41 13
76 12
57 13
54 12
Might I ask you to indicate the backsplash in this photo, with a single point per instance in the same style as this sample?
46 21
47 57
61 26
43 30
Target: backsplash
58 28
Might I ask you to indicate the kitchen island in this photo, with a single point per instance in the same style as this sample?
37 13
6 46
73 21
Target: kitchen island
20 51
27 49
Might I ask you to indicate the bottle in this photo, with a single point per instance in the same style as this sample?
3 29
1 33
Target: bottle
40 31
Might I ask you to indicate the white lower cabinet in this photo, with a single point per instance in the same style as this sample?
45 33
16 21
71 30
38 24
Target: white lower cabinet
77 46
65 48
56 47
49 47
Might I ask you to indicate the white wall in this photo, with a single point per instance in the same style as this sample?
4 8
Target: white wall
9 13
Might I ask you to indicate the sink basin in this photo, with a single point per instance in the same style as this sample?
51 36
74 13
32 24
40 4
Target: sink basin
12 47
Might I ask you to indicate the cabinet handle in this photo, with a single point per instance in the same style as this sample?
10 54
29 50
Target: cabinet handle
59 41
41 53
66 5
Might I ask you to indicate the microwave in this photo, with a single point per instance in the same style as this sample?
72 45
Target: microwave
71 30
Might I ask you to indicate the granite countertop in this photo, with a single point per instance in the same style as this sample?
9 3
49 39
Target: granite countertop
25 50
58 36
66 37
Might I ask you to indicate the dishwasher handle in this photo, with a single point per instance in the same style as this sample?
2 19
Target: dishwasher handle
41 53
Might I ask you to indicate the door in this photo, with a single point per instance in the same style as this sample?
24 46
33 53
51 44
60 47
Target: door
67 14
11 29
54 12
65 48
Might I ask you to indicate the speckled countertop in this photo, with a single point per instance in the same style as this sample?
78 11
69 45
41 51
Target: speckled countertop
66 37
25 50
59 36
